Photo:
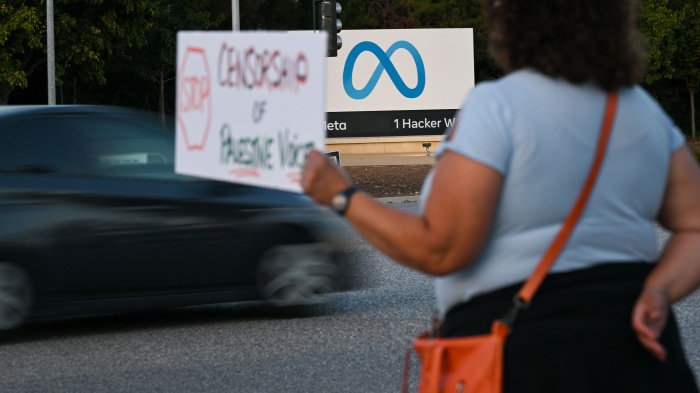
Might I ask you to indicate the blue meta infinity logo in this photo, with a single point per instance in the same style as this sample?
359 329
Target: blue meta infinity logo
384 65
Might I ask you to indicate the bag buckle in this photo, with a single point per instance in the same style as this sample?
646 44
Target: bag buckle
435 327
512 314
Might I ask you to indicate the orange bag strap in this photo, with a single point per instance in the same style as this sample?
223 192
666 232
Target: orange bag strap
527 291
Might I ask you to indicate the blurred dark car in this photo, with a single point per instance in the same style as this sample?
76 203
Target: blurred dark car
94 219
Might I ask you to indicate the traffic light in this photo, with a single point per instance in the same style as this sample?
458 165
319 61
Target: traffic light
328 18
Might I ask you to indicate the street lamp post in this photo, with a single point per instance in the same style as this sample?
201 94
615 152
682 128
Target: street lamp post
50 54
236 20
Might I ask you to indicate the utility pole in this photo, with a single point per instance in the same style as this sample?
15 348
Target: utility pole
50 54
235 17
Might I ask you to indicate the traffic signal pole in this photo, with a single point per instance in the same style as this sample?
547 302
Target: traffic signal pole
326 18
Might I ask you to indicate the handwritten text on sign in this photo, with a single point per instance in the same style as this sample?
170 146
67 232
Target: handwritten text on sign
250 106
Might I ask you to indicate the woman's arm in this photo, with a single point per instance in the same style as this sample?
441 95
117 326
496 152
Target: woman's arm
450 233
678 272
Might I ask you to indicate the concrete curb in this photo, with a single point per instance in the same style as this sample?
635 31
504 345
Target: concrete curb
385 159
400 199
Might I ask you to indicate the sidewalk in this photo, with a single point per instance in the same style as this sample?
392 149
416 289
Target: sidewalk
388 159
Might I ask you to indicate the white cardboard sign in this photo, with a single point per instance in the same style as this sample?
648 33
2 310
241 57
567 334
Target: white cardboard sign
250 105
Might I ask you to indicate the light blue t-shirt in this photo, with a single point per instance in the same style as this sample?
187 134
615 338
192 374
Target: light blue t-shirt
541 133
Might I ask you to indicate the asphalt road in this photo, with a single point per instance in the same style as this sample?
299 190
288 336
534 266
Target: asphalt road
353 343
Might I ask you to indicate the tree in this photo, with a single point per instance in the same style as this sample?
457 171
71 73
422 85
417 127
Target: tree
155 62
671 32
658 23
270 15
460 14
689 51
407 14
21 30
86 32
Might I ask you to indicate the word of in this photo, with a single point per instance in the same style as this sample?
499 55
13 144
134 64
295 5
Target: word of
292 153
250 151
384 64
336 126
258 111
251 69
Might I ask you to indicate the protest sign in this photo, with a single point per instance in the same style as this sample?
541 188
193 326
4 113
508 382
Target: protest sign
250 105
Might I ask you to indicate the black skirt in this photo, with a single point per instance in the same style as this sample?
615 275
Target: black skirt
576 336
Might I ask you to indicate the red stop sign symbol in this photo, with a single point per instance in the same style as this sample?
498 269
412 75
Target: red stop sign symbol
194 106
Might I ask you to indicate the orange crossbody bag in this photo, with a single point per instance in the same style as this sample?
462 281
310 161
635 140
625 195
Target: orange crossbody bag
474 364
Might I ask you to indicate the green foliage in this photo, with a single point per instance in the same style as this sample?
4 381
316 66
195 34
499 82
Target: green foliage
270 15
155 62
123 51
20 37
86 32
89 33
694 147
689 45
658 25
357 16
406 14
671 31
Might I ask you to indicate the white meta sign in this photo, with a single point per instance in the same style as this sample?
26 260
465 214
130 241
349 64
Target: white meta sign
250 105
402 69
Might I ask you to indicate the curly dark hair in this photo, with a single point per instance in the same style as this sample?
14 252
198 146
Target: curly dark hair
579 40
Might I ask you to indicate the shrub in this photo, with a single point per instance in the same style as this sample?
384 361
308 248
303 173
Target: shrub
694 145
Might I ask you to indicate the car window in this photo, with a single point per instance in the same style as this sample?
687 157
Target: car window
31 145
125 146
104 143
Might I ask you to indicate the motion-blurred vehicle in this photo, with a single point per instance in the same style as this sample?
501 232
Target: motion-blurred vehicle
93 218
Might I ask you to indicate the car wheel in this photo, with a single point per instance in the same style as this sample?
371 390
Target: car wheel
297 274
15 296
